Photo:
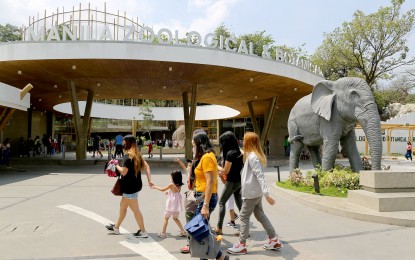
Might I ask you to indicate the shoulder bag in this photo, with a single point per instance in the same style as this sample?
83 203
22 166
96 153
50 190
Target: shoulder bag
116 190
190 202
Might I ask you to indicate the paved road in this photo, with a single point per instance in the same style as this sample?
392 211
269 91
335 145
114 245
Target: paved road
59 212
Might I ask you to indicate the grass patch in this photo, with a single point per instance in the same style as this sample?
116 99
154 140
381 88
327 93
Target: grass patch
325 191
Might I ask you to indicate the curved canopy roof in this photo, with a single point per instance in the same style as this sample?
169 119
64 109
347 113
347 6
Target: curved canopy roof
151 71
207 112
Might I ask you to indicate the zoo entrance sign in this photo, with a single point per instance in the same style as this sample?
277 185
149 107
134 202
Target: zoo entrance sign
165 36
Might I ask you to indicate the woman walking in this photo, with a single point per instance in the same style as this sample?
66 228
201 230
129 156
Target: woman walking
231 172
253 188
206 172
408 154
131 184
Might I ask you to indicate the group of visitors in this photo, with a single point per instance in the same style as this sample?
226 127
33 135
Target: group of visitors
46 145
240 170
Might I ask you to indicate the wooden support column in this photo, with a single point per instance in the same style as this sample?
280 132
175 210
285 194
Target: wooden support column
86 120
253 118
389 140
80 144
189 119
7 113
187 147
133 127
87 114
268 121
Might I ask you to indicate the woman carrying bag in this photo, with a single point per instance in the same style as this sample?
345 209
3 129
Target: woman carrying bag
131 184
206 173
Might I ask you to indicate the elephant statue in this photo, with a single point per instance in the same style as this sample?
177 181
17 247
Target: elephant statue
327 116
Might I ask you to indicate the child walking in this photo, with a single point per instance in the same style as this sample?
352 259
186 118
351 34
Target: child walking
173 202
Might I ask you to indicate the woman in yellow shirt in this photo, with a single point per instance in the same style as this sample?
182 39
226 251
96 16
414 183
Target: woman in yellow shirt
206 172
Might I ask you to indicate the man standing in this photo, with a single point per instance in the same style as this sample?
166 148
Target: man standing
286 147
139 143
96 144
118 145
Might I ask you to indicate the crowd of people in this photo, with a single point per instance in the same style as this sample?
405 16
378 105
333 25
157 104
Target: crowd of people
35 147
241 171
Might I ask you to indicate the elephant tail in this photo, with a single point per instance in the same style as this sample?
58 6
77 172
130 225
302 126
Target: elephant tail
295 138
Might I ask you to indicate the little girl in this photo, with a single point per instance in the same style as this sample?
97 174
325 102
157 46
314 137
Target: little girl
173 202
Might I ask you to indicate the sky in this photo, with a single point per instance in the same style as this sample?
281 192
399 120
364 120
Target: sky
294 23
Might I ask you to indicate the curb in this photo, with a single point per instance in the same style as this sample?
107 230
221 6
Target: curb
341 207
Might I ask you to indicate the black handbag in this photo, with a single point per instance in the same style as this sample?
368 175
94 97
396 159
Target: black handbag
116 190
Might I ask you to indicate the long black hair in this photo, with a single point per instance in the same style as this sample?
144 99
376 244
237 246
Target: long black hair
176 176
203 144
228 142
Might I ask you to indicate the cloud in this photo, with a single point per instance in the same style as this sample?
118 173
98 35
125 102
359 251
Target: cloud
210 14
199 3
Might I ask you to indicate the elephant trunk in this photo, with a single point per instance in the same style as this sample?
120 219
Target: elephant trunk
370 122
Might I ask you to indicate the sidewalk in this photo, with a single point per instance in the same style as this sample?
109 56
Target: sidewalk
36 202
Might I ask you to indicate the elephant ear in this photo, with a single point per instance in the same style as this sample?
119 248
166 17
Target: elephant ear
322 99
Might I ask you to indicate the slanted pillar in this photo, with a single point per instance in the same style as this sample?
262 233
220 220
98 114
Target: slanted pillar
80 144
86 120
5 116
81 126
189 119
268 120
253 118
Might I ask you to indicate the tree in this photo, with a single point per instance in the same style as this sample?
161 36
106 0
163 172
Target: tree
295 51
9 33
259 39
147 113
370 46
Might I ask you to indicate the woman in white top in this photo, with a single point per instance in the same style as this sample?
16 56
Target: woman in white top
253 187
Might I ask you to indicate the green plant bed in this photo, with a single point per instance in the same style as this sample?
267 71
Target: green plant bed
334 183
329 191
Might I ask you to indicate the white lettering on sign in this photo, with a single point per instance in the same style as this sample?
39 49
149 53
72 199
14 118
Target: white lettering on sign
165 36
106 34
164 31
130 32
227 46
193 35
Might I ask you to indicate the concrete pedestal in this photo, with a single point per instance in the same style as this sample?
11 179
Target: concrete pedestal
385 191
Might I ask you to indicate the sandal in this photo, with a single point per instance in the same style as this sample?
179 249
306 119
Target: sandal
185 250
161 235
183 234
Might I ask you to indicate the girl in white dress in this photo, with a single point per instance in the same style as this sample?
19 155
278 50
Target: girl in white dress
173 202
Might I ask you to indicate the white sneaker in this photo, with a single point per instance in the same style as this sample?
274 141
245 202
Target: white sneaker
238 249
141 234
110 227
273 244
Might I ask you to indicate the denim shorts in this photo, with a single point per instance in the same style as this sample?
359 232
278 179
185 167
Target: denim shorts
130 196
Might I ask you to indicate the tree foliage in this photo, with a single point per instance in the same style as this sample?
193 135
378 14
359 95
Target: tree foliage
147 113
259 39
398 91
370 46
9 33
